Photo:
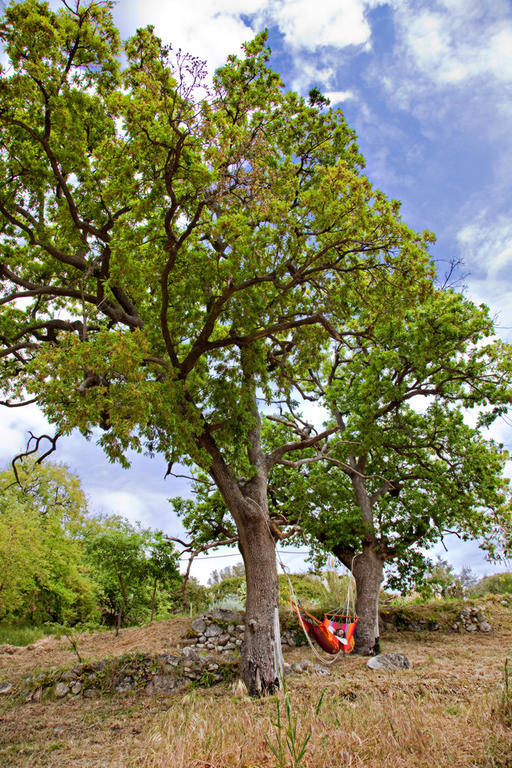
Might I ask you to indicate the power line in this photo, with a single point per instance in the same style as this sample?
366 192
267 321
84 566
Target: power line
237 554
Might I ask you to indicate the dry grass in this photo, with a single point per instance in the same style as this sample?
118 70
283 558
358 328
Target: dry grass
446 711
439 713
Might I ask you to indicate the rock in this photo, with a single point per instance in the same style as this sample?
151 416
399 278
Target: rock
162 684
5 688
389 661
296 667
169 660
67 676
91 693
61 690
321 670
485 627
37 695
76 687
213 630
479 616
471 627
287 669
199 626
126 684
226 616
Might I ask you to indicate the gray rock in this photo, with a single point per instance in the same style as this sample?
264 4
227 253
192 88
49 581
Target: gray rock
169 660
321 670
68 675
485 627
5 688
61 690
471 627
213 631
228 617
91 693
126 684
199 626
162 684
389 661
76 687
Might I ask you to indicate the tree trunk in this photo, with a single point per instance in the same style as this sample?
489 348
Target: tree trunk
368 569
123 603
262 661
153 601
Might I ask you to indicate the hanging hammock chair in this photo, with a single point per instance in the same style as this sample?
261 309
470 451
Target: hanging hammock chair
334 634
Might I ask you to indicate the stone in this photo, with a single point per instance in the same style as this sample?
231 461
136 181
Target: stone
76 687
389 661
170 660
126 684
91 693
470 627
479 616
5 688
485 627
61 690
226 616
162 684
321 670
213 631
37 695
199 626
67 676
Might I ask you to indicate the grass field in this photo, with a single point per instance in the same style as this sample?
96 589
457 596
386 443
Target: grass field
452 709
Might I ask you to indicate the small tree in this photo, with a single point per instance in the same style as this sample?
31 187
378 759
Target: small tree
42 566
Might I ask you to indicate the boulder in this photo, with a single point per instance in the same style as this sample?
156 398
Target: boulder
199 626
5 688
61 690
389 661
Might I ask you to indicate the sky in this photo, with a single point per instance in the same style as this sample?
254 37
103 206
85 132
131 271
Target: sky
427 86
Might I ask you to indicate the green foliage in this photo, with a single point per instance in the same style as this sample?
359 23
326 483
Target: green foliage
129 562
289 748
20 634
497 584
43 574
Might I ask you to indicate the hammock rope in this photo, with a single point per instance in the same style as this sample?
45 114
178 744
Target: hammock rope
324 631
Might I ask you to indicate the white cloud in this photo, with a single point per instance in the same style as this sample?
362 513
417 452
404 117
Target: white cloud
310 25
455 40
337 97
486 246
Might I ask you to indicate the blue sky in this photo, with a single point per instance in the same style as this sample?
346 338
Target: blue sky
427 86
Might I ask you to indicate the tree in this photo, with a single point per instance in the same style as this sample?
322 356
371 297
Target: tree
177 248
129 562
406 467
43 573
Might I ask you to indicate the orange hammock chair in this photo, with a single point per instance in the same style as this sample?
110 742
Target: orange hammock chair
333 634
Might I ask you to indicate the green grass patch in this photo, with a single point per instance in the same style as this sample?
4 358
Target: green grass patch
12 634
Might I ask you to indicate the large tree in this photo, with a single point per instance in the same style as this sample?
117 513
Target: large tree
167 244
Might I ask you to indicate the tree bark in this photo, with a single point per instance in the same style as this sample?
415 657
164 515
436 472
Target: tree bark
368 571
123 603
262 662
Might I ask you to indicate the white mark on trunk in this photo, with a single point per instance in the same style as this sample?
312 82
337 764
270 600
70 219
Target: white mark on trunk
278 651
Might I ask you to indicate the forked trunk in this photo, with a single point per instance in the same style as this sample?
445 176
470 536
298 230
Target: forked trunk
368 569
262 661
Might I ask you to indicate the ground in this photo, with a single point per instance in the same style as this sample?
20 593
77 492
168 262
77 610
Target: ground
450 710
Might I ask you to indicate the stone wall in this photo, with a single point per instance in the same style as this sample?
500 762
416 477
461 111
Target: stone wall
222 631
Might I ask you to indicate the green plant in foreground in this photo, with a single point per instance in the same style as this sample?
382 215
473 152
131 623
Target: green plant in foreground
505 707
288 746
